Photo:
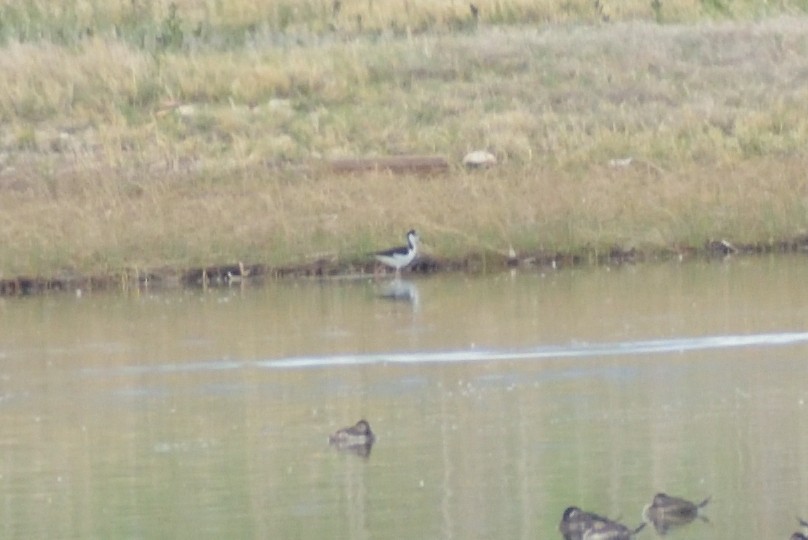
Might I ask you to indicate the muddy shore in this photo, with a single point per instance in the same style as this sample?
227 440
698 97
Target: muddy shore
239 273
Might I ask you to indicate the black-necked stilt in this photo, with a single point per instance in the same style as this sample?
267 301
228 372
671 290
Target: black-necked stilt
399 257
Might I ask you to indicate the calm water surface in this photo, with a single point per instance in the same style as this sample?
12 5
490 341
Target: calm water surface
497 401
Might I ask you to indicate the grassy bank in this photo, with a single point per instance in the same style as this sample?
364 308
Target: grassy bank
124 147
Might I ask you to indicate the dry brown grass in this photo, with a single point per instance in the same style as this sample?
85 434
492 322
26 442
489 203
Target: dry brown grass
257 216
113 156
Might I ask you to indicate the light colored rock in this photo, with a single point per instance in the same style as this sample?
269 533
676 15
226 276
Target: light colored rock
479 159
621 162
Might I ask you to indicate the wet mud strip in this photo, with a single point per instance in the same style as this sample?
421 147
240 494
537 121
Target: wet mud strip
332 268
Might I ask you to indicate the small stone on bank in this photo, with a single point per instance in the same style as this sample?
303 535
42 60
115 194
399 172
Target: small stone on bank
479 159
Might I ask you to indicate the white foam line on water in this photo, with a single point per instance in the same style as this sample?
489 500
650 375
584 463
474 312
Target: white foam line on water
214 365
574 350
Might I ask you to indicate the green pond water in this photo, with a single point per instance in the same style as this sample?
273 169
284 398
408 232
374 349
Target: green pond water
497 402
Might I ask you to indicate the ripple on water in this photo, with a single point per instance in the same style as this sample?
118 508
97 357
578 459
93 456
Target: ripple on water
574 350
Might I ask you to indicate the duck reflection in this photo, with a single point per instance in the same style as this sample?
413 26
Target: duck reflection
576 524
610 530
400 290
357 439
666 512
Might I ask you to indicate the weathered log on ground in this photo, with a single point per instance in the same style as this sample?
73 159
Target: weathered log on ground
395 164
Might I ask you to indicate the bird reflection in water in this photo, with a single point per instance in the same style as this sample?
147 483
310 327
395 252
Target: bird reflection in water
400 290
666 512
610 530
